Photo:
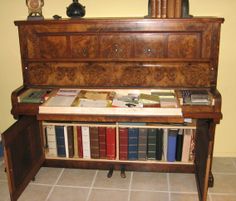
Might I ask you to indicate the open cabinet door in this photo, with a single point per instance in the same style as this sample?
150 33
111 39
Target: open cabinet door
203 156
23 154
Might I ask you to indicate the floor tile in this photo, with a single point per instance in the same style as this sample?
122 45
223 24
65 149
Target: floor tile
114 182
221 164
47 175
149 196
3 175
224 183
180 182
223 197
35 193
77 177
149 181
183 197
108 195
4 193
69 194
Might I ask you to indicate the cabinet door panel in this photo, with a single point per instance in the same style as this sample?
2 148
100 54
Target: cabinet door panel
203 156
23 153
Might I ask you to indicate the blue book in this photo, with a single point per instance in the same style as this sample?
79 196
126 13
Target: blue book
1 149
60 140
171 146
133 134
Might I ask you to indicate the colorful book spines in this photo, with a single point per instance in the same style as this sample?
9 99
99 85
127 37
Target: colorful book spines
94 142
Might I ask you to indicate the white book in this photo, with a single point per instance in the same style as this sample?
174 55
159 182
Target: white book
165 143
66 142
86 142
186 144
51 140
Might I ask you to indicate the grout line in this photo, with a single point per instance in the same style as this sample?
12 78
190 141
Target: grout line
54 185
225 173
224 194
168 185
92 184
130 184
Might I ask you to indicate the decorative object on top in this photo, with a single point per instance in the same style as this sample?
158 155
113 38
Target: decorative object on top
75 10
35 9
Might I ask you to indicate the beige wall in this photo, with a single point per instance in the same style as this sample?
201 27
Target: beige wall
11 78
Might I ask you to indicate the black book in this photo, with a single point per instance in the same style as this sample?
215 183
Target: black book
179 145
159 144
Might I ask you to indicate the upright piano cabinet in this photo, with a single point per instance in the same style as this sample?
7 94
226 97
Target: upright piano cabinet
114 53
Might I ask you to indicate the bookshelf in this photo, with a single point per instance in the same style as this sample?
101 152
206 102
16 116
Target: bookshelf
111 53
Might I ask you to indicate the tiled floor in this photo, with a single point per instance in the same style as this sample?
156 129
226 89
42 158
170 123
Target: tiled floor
56 184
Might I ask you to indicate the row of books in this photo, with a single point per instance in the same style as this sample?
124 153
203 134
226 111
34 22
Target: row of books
124 143
165 8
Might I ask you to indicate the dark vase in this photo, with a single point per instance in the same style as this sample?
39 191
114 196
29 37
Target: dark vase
75 10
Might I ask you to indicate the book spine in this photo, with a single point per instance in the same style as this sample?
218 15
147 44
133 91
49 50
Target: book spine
60 140
76 151
70 136
133 134
80 141
123 143
179 145
171 9
159 144
158 8
142 144
186 145
151 143
163 8
178 8
152 8
165 143
171 151
94 142
192 146
86 142
111 143
102 142
66 141
51 140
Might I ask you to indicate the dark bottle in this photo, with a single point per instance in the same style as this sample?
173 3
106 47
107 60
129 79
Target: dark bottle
75 10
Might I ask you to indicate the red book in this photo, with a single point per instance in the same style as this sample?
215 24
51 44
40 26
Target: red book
111 143
102 142
80 145
123 143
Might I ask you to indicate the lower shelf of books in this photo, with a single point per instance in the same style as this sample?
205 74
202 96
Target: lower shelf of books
117 142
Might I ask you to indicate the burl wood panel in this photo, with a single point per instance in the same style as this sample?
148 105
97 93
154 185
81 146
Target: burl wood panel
119 74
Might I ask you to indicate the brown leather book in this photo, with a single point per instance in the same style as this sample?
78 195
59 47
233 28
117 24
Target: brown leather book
102 142
163 8
80 144
70 135
171 9
152 8
94 142
158 8
178 9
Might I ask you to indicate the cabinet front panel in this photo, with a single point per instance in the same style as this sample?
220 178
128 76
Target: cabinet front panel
119 74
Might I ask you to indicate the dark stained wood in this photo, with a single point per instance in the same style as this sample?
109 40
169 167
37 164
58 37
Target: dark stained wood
24 154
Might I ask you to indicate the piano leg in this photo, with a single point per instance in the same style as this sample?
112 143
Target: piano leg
211 180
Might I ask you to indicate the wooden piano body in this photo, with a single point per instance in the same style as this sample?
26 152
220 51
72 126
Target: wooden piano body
114 53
